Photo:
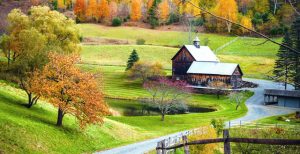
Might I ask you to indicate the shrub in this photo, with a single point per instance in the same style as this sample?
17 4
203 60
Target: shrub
140 41
80 38
203 148
116 22
218 125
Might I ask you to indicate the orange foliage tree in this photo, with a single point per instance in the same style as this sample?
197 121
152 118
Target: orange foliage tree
103 10
136 13
91 10
227 9
164 10
71 90
79 9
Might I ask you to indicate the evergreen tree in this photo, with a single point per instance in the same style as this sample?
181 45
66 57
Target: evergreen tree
283 67
295 36
153 19
134 57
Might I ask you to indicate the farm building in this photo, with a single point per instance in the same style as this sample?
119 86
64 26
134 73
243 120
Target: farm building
286 98
198 65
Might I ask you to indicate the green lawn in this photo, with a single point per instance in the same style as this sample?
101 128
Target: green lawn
253 66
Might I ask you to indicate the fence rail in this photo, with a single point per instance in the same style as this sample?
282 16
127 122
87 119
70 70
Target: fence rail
162 147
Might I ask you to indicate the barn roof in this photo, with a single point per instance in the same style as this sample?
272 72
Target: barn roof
204 53
215 68
284 93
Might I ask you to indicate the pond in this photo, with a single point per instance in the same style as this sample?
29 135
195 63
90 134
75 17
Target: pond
136 108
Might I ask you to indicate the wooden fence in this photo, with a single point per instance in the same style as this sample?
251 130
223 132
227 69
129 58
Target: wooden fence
162 148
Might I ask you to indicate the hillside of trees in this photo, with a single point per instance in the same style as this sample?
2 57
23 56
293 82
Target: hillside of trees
272 17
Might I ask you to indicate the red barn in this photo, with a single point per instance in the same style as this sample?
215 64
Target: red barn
199 66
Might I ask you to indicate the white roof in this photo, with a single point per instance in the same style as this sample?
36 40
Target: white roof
203 53
212 68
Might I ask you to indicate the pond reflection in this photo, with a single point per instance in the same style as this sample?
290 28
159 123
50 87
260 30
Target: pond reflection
136 108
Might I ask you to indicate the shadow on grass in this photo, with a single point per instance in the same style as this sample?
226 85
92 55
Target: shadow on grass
13 106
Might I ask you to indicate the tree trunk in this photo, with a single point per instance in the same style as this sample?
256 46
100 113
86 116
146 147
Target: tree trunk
60 116
30 101
162 117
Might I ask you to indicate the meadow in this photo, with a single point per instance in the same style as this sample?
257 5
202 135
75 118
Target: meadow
116 55
24 130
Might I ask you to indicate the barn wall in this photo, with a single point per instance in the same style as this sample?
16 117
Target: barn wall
181 63
203 80
236 78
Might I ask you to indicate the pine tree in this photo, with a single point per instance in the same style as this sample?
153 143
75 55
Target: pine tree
153 19
283 66
134 57
295 36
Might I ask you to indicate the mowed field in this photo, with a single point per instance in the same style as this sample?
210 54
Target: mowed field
256 61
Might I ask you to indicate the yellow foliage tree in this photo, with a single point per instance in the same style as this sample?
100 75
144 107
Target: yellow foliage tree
91 10
61 4
227 9
188 8
136 10
203 148
164 10
246 21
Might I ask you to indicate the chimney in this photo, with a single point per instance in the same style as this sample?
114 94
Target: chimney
196 42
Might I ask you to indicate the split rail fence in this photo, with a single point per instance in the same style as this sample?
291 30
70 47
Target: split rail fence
163 148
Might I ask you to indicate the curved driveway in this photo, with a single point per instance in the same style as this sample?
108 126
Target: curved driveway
256 110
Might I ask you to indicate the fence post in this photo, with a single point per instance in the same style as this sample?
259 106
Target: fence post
163 145
159 145
226 141
186 147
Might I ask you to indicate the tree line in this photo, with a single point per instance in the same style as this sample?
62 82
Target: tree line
271 17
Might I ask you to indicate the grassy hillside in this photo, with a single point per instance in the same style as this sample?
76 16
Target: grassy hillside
253 66
244 46
33 130
24 130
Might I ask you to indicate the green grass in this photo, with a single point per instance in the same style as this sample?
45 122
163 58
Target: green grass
281 119
245 46
252 66
33 130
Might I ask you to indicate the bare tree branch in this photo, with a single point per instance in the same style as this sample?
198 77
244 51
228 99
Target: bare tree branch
261 43
251 30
